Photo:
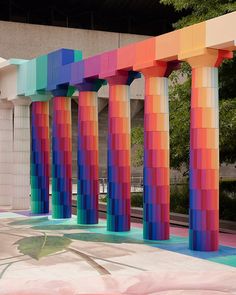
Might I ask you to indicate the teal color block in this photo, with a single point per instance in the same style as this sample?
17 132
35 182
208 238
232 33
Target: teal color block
31 78
22 78
227 260
41 72
77 55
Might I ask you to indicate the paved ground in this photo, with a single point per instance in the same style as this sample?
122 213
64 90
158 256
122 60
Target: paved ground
39 255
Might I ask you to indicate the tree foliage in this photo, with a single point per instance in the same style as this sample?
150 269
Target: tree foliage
180 94
200 10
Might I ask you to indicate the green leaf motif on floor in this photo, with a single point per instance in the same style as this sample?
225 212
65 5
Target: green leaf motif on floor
29 221
41 246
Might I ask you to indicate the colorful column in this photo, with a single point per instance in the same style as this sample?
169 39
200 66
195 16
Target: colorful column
87 200
204 160
40 157
204 151
61 158
118 203
156 204
6 151
21 154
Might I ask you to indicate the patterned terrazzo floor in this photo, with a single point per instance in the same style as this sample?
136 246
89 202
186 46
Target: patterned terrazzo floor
61 257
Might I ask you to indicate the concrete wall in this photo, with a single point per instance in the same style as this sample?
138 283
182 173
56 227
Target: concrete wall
26 41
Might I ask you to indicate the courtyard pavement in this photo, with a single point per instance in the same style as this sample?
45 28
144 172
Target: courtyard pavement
41 256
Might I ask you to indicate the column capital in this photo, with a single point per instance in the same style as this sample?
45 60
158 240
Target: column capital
160 69
6 104
63 91
21 101
123 78
90 85
41 96
209 58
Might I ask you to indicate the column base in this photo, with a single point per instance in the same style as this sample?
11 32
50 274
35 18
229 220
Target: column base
156 231
203 240
118 223
40 208
20 203
87 217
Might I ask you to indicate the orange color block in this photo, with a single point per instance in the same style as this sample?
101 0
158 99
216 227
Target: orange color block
145 54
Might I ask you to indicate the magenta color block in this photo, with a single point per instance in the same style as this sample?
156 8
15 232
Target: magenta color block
92 66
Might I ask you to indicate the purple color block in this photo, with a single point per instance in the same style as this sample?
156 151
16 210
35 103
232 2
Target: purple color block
77 73
92 66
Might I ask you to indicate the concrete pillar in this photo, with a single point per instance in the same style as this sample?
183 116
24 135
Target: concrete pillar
204 160
61 158
88 185
87 199
40 157
6 152
21 156
204 152
118 202
156 206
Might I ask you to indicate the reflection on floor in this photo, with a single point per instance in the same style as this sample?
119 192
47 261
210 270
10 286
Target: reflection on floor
45 256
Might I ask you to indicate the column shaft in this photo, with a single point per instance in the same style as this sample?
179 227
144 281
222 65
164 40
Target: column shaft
156 159
204 160
6 154
118 206
40 157
21 147
87 202
61 158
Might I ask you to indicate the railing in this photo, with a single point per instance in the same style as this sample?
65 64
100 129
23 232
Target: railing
176 219
137 183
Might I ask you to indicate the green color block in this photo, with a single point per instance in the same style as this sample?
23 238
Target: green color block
77 55
70 91
41 72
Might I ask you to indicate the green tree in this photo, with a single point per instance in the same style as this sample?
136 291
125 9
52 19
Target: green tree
200 10
180 93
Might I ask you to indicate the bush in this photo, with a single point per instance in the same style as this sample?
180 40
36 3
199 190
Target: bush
228 200
179 198
137 200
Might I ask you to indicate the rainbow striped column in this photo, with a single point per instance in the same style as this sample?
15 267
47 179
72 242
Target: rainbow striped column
204 160
40 157
87 201
61 158
118 203
156 159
